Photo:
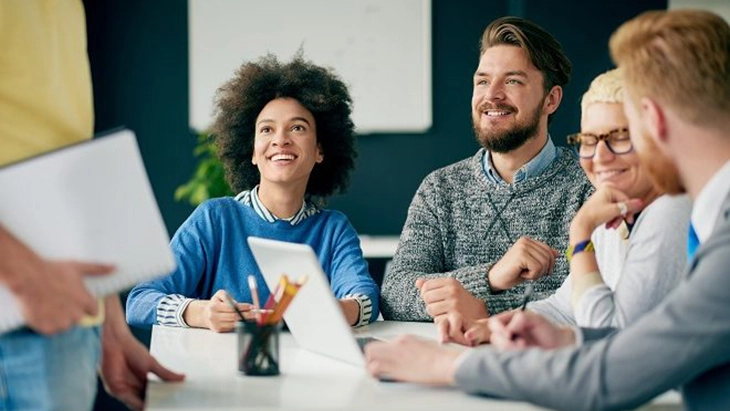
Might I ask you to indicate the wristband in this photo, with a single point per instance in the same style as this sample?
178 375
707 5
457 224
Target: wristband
586 245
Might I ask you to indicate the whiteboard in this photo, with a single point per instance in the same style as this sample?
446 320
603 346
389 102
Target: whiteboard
380 48
719 7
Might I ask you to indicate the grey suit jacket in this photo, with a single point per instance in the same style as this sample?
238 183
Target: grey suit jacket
684 342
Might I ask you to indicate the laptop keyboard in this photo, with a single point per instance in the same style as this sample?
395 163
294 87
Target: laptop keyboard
363 341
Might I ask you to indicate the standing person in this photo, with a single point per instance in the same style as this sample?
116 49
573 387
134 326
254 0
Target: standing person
286 139
477 229
46 103
632 266
676 66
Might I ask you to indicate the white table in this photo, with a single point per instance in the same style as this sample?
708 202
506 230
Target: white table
307 382
378 246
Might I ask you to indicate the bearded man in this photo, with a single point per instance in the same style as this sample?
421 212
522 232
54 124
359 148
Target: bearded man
677 100
478 229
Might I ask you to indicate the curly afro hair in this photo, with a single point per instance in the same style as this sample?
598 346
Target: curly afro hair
319 90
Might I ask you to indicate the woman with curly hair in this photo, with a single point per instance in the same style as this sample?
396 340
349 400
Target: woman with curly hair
285 137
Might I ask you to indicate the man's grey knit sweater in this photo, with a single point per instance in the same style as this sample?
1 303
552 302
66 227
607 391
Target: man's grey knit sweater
459 224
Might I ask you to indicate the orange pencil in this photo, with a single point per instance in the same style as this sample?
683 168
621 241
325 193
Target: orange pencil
289 293
278 292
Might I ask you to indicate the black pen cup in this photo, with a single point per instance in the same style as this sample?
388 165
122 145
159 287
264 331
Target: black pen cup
258 348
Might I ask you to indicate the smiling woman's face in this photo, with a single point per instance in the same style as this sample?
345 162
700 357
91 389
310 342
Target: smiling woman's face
285 148
622 171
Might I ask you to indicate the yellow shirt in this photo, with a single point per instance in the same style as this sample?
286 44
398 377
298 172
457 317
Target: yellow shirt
45 79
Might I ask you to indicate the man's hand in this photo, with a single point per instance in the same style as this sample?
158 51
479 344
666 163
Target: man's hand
521 329
125 361
455 328
411 359
216 314
527 259
446 296
51 294
53 297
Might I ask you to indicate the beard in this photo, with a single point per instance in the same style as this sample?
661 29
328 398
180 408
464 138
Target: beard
661 170
505 141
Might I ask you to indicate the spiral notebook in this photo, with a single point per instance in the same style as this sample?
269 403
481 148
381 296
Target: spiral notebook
91 201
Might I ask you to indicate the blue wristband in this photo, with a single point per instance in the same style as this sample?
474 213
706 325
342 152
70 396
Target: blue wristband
586 245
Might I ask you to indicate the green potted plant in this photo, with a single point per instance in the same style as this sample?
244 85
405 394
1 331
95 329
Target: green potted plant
208 180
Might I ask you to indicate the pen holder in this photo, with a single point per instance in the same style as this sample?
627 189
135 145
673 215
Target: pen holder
258 348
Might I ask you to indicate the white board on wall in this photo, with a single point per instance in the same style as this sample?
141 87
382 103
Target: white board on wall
380 48
720 7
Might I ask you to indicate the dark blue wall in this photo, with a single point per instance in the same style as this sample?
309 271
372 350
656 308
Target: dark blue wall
138 52
139 59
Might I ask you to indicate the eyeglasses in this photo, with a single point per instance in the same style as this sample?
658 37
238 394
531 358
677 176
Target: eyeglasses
618 141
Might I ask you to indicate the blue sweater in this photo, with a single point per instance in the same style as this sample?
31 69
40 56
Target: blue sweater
212 254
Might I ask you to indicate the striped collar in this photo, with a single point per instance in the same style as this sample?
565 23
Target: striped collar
251 199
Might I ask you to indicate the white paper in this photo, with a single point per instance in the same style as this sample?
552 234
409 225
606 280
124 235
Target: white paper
89 202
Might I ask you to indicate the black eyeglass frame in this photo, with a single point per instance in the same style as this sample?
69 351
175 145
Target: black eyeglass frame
574 140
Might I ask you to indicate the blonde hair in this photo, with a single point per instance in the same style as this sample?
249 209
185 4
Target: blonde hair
607 87
678 57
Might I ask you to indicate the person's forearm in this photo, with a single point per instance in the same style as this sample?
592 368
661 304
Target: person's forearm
114 322
419 255
15 259
8 248
584 272
401 300
497 303
557 307
351 309
194 314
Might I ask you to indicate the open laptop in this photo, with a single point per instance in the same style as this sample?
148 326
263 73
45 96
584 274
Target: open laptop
314 317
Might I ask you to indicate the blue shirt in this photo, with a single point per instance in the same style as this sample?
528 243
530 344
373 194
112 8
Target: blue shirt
212 254
531 169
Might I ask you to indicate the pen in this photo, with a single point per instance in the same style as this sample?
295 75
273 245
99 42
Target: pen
233 305
525 299
526 296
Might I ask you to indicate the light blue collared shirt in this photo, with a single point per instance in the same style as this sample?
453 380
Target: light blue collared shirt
531 169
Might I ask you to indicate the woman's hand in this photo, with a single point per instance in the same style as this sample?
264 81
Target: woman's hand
216 314
607 206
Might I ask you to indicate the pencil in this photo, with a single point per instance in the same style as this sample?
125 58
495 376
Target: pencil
255 296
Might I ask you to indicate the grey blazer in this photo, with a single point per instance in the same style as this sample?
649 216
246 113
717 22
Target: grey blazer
683 343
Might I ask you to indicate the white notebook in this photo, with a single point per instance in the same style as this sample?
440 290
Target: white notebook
91 201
